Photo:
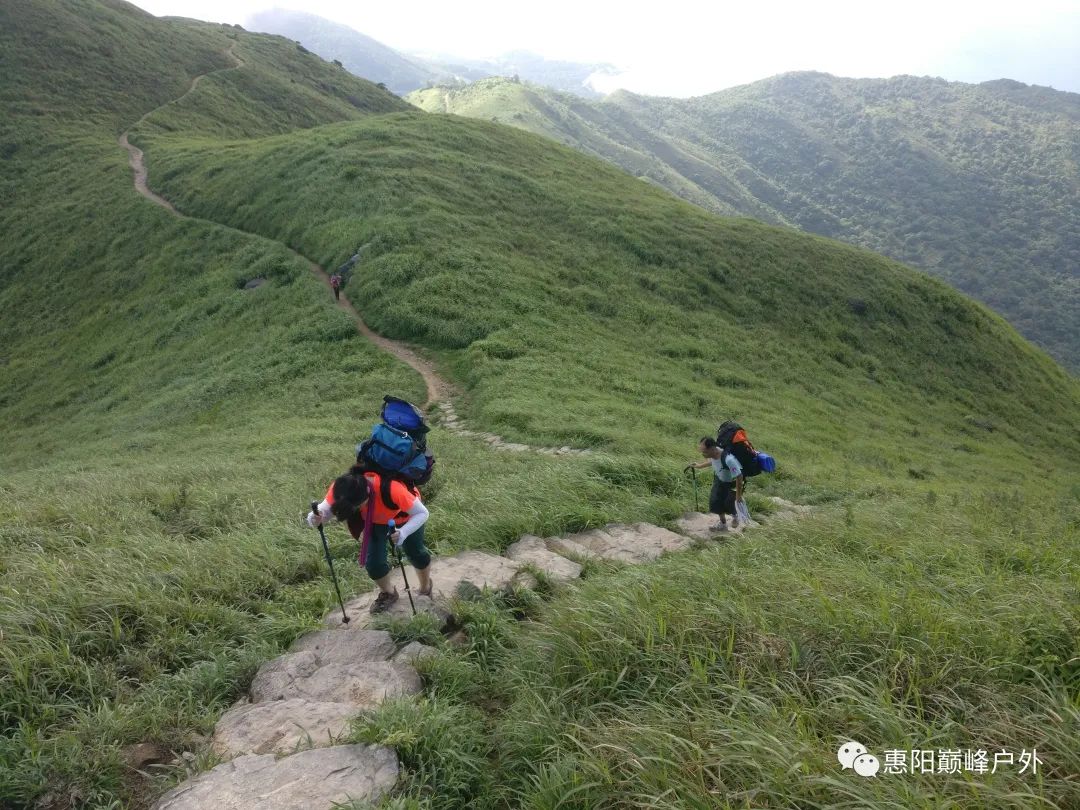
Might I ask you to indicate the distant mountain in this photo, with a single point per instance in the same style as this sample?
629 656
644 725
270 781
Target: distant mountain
402 73
359 54
976 184
570 77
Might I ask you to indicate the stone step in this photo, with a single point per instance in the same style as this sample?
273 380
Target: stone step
363 683
310 780
534 550
360 617
570 548
629 543
331 647
281 726
699 526
477 567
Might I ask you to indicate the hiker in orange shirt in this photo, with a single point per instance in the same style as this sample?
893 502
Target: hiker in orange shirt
361 501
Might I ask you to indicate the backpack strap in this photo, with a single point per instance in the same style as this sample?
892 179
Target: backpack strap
384 489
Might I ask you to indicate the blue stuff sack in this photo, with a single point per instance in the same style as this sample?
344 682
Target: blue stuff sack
404 416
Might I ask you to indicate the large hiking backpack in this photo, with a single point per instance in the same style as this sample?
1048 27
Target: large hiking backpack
732 439
397 448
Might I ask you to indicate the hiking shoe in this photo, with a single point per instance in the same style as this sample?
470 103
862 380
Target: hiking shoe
430 589
384 601
718 527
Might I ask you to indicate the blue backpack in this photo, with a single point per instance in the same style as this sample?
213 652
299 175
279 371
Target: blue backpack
397 448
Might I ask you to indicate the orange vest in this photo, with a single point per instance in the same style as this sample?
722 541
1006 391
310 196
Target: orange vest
402 496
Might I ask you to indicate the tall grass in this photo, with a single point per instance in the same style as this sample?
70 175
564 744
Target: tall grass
729 677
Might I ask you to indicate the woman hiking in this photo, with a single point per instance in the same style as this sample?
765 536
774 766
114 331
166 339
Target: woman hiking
358 499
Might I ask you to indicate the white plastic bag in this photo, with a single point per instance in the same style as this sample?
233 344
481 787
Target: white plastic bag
742 513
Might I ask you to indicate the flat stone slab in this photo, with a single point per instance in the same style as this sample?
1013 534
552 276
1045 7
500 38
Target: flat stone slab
630 543
359 608
699 526
481 569
568 547
310 780
281 726
365 683
530 549
333 647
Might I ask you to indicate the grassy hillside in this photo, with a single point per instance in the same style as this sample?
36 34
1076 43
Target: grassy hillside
165 427
977 184
612 315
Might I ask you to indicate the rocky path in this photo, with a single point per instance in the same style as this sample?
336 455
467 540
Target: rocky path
438 390
281 743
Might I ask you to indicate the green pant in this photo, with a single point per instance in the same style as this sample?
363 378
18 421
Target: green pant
377 566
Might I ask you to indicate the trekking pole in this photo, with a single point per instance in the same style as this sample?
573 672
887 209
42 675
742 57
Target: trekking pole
697 506
390 524
333 576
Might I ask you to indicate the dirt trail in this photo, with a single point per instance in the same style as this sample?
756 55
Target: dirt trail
438 389
135 154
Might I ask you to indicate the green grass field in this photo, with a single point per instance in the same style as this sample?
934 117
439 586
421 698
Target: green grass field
164 428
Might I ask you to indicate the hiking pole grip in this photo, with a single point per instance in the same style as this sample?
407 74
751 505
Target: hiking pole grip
391 525
330 562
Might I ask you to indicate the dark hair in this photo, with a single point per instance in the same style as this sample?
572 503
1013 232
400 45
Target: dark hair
708 442
350 492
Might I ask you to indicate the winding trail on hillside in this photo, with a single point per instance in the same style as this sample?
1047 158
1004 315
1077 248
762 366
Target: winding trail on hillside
282 744
439 391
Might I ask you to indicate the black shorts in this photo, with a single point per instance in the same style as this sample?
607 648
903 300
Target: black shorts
722 497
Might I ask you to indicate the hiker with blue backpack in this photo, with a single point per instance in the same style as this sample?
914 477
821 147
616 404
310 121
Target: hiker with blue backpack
733 460
379 501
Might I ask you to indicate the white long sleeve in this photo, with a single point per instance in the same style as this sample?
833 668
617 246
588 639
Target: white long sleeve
323 516
418 515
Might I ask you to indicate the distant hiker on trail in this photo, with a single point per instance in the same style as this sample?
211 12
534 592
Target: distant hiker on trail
727 484
335 284
346 269
355 499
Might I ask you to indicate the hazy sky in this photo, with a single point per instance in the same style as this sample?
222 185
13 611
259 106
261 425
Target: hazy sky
681 48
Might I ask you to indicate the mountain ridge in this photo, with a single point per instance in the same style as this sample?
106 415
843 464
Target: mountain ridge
964 181
403 72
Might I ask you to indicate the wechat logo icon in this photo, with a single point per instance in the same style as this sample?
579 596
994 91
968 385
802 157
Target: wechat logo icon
853 755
